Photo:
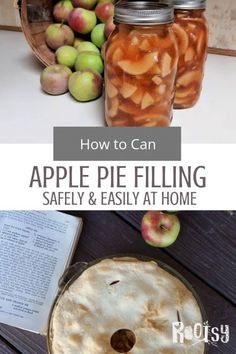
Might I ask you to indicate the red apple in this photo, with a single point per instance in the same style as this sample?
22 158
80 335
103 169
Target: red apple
160 229
82 20
109 26
104 10
54 79
62 10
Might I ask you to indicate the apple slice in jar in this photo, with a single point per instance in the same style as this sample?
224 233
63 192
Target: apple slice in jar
162 89
119 122
112 48
189 77
140 66
189 55
181 101
137 96
182 93
111 89
150 124
133 33
129 108
201 44
191 27
152 119
157 79
114 102
198 21
166 64
145 45
134 41
128 90
182 38
117 55
155 70
147 101
116 81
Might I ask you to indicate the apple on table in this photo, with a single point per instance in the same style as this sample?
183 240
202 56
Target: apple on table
54 79
160 229
85 85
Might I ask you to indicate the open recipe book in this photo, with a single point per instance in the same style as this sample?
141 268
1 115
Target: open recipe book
35 249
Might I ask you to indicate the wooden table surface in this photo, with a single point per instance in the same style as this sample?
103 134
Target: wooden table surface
205 254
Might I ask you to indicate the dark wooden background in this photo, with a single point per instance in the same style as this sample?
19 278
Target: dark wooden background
205 253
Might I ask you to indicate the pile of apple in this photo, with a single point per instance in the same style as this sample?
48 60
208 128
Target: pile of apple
78 38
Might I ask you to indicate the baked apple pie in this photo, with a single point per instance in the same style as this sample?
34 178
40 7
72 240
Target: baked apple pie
124 305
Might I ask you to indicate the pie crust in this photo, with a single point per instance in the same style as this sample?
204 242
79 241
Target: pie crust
123 293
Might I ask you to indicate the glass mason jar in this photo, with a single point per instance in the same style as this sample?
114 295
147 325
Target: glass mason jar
192 36
140 65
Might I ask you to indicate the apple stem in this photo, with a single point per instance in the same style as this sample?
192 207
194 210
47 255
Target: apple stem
163 227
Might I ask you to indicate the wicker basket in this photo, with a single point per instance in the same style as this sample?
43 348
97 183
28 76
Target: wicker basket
36 15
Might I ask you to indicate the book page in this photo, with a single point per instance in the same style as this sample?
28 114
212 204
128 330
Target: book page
35 247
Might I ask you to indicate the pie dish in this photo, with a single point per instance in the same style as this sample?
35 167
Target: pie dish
124 299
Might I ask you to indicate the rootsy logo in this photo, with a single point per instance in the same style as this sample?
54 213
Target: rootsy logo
200 333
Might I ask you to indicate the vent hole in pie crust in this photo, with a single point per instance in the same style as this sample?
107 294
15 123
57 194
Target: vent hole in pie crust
114 282
123 340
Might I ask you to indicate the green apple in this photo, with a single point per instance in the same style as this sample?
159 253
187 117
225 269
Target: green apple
89 60
87 47
85 85
98 35
66 55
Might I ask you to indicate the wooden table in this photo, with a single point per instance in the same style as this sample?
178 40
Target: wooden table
204 253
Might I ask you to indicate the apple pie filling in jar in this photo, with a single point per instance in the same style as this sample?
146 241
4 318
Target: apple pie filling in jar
140 65
192 36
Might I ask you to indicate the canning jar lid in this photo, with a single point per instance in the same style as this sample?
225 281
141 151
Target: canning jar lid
143 13
189 4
